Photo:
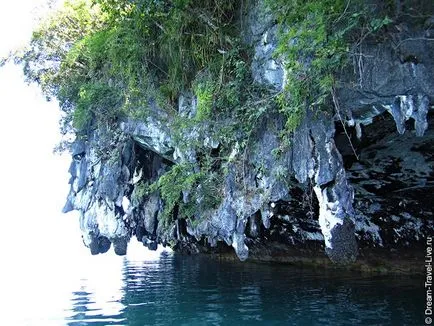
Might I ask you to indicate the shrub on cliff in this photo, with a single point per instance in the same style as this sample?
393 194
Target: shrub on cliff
133 48
317 37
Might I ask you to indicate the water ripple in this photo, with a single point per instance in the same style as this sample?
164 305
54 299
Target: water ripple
171 290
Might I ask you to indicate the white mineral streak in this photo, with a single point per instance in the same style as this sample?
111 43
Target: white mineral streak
327 215
240 247
415 107
125 204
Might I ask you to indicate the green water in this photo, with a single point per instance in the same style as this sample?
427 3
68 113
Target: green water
171 290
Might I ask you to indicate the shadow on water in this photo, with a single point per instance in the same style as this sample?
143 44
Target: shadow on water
176 290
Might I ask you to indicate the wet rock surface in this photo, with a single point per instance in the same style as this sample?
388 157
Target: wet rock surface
393 181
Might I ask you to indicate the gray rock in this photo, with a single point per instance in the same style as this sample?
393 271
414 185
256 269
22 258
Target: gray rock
266 69
406 107
120 246
253 226
343 249
152 135
303 195
151 207
317 158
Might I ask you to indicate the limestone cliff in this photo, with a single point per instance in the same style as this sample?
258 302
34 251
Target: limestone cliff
357 177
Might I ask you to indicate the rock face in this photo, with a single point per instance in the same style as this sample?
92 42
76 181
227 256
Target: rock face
356 179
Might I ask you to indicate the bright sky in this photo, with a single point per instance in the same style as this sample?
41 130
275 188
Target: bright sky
42 257
34 182
16 21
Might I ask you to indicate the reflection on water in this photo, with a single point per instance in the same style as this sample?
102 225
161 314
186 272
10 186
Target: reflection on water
171 290
98 301
87 311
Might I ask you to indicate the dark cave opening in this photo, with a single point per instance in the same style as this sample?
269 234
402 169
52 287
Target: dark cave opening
392 177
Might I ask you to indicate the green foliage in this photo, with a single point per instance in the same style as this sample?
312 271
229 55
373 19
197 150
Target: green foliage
225 97
204 91
236 99
95 100
140 48
202 188
52 40
168 41
314 43
112 58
